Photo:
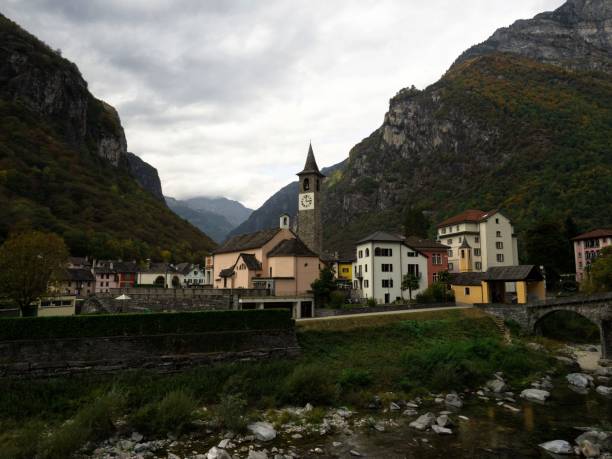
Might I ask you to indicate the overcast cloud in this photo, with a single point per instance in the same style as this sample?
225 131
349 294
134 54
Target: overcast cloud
223 96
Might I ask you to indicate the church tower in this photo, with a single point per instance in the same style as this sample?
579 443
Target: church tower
310 230
465 252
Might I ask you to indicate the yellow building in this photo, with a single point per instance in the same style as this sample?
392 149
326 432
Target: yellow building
56 306
344 270
492 286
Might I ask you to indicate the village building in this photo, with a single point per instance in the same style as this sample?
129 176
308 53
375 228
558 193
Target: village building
193 275
127 272
587 247
78 282
162 275
106 275
527 285
478 240
436 253
382 261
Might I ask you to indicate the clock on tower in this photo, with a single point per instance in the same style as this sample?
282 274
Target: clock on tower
309 209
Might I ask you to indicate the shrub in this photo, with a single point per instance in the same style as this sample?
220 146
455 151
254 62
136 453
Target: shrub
352 378
310 384
336 299
21 443
142 324
94 422
436 293
371 302
173 413
230 413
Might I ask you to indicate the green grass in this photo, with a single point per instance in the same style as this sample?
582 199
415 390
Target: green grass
344 362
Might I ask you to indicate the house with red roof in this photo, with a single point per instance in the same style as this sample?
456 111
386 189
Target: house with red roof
587 247
478 240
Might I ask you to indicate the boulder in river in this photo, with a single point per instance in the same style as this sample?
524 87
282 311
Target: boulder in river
580 380
263 431
441 430
557 447
596 437
603 390
496 385
453 400
535 395
424 421
217 453
444 421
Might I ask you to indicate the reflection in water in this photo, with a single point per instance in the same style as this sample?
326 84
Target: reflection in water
528 417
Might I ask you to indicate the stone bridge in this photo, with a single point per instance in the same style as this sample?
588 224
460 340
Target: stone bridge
596 308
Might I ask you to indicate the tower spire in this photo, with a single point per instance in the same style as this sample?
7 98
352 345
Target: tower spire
311 166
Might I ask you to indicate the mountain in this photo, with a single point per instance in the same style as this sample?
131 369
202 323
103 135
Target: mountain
521 122
233 211
64 165
145 175
211 223
284 200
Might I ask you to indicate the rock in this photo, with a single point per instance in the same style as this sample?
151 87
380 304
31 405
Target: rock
535 395
225 444
453 400
412 405
318 450
557 447
173 456
536 347
125 445
308 408
379 426
603 390
596 437
444 421
297 436
441 430
579 380
496 385
394 406
410 412
464 418
137 437
604 371
142 447
511 408
263 431
424 421
570 363
355 453
344 413
257 454
337 444
589 449
217 453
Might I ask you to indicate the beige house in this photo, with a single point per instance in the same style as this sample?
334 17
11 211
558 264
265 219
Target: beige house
274 258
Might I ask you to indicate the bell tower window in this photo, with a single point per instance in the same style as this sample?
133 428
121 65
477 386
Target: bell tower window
306 184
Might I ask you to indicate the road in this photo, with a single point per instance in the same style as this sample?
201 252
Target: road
384 313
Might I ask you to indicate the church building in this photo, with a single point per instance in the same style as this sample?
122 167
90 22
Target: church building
278 259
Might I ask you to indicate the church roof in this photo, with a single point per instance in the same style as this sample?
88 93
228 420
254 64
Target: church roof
291 248
311 164
251 262
247 241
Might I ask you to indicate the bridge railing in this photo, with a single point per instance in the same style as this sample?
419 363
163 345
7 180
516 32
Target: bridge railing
578 299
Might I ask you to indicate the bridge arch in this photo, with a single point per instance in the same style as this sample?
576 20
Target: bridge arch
567 323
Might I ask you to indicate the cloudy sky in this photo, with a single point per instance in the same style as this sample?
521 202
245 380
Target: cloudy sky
223 96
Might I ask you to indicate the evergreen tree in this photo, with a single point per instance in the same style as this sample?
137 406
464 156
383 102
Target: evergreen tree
416 223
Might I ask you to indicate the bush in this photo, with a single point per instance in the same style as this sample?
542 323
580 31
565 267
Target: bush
173 413
436 293
310 384
22 443
352 378
336 299
94 422
371 302
231 413
15 328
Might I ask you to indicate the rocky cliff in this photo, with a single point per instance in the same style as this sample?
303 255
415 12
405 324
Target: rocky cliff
145 174
64 163
521 122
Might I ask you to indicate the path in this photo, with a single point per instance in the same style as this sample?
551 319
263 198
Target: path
384 313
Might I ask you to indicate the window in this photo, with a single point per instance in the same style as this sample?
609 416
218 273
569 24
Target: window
500 257
477 239
443 230
467 290
457 227
460 239
580 264
344 270
579 254
361 254
366 267
478 266
367 252
498 233
378 252
306 185
450 266
413 270
449 242
499 245
462 253
355 284
318 185
477 252
450 253
387 283
497 221
387 268
366 284
284 221
434 277
436 259
412 254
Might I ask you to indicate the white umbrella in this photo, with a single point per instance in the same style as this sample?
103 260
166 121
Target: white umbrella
123 297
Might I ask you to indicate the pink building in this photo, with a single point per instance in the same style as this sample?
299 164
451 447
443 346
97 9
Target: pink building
587 247
436 253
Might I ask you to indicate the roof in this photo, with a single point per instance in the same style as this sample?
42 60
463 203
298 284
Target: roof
79 261
381 236
247 241
468 216
78 274
465 244
159 268
470 279
291 248
593 234
252 263
311 164
228 272
514 273
126 267
424 244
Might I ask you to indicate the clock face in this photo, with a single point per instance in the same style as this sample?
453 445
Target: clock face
306 201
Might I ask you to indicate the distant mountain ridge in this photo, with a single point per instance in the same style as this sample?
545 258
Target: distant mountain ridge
233 211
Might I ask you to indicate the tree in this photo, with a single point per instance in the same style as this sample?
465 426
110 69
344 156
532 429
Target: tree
416 223
323 286
444 279
28 262
547 245
601 271
410 282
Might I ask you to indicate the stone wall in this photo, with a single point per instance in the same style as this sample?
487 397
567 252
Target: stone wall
163 353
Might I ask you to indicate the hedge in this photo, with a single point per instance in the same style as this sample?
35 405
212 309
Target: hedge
14 328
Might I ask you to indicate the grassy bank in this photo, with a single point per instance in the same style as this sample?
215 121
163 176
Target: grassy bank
343 362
